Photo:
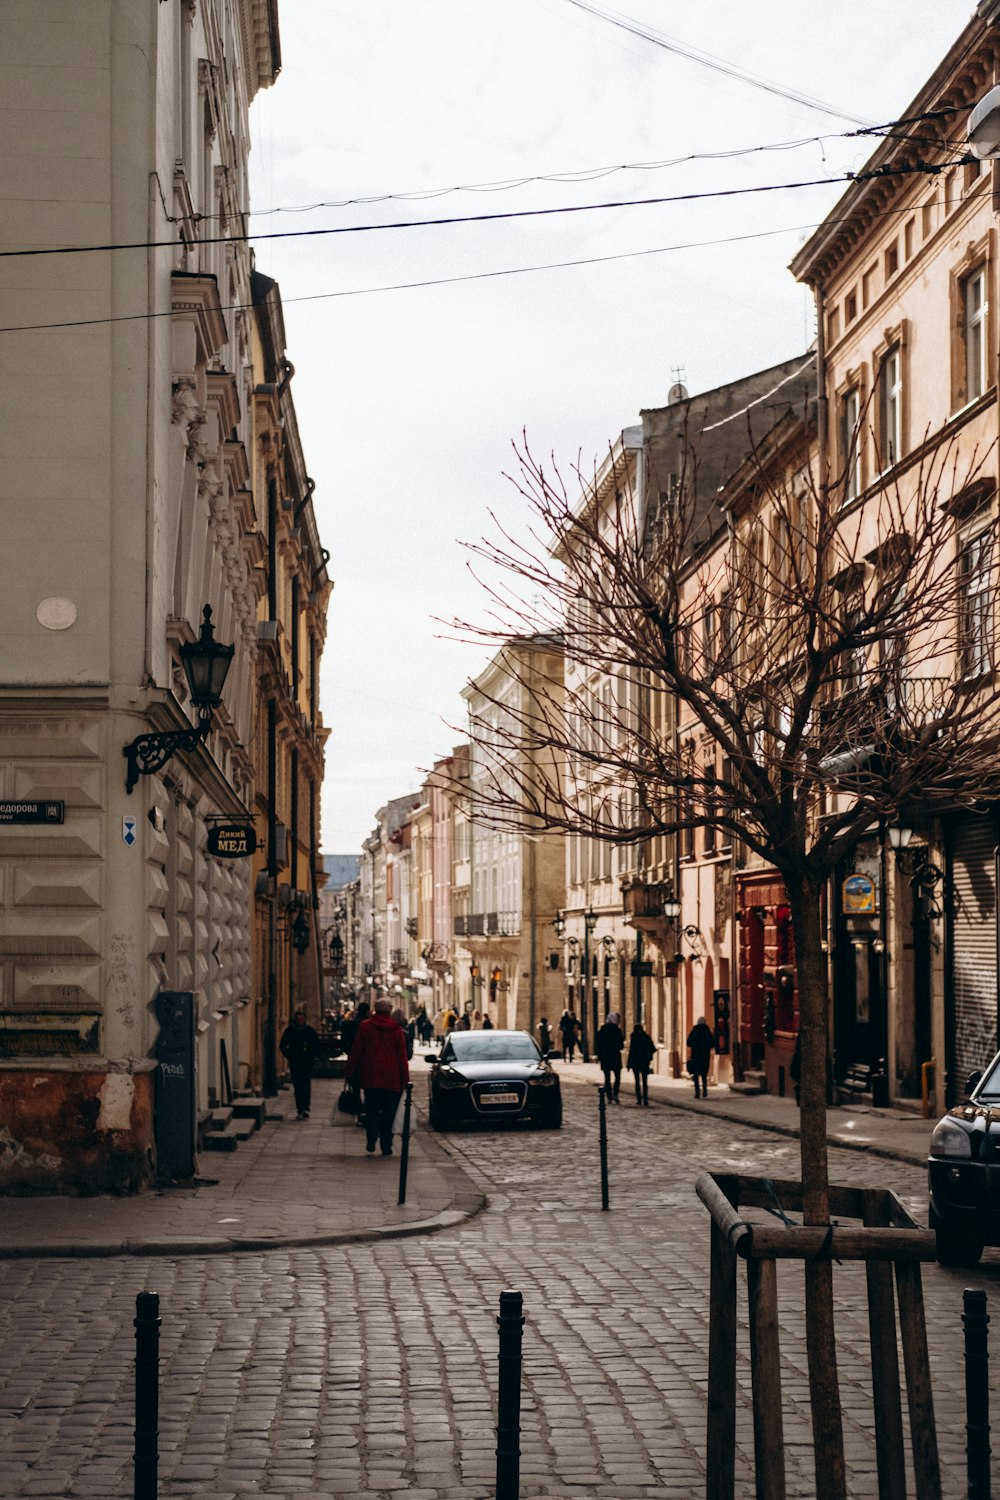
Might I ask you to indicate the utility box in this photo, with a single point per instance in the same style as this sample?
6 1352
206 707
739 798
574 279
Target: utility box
175 1106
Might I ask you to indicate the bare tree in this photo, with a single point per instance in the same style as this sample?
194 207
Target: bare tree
846 678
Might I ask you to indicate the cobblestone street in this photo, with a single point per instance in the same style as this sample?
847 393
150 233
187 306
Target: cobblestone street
369 1371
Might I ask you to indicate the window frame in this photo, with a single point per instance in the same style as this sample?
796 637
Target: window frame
977 645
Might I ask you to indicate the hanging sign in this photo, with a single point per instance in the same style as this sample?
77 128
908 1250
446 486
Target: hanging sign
858 895
232 840
32 812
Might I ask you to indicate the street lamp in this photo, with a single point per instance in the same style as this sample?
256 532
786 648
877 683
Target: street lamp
206 664
983 129
559 923
671 908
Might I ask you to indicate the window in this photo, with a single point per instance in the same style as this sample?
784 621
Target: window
975 307
708 636
890 406
850 307
850 447
975 562
710 806
892 260
833 326
909 230
868 285
927 219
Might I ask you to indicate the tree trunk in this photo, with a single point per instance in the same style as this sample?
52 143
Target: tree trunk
821 1348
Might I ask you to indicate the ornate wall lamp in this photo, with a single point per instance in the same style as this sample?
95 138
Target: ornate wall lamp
559 923
672 912
206 665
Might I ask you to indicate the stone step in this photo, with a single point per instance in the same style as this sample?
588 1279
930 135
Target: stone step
754 1082
217 1119
226 1139
250 1108
244 1128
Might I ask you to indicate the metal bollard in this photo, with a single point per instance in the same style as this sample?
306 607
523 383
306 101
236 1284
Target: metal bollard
404 1145
603 1120
976 1321
147 1370
511 1325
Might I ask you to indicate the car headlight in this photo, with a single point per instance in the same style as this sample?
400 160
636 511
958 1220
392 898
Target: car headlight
543 1079
950 1140
447 1079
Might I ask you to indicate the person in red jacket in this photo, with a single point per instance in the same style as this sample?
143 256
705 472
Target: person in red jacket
378 1065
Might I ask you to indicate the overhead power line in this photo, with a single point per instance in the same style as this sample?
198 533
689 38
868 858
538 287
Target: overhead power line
886 131
708 60
523 213
405 286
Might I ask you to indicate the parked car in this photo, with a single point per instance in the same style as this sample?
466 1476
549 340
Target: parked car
492 1078
963 1168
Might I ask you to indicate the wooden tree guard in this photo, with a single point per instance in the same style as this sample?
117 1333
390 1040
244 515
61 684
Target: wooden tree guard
887 1240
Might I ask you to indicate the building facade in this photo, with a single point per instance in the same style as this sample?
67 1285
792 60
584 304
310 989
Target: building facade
127 515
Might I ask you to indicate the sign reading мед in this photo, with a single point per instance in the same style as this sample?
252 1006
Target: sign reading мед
232 840
32 812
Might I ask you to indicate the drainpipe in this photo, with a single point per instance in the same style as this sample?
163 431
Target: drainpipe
271 1024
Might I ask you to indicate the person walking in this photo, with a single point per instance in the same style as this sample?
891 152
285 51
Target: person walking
544 1037
399 1016
701 1045
378 1065
487 1023
608 1044
568 1027
299 1045
348 1036
641 1051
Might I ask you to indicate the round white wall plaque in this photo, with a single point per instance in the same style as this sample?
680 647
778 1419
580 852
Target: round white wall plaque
56 614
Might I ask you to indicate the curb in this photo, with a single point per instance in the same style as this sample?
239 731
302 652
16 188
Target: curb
448 1218
716 1112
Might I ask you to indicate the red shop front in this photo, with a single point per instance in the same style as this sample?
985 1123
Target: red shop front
768 997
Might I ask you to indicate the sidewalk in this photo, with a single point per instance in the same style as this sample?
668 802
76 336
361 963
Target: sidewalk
893 1133
310 1182
293 1183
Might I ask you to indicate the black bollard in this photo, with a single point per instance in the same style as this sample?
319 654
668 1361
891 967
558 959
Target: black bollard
147 1373
511 1324
603 1116
404 1145
976 1321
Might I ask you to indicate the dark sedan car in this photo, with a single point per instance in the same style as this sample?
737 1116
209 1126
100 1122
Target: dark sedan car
964 1170
492 1077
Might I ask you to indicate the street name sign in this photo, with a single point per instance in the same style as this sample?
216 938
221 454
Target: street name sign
32 812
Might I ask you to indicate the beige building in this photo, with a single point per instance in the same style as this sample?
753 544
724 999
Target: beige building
517 878
904 271
289 955
127 509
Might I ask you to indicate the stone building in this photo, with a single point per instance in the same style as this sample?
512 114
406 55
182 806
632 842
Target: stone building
128 508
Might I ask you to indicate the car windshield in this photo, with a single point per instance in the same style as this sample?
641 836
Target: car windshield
485 1046
989 1089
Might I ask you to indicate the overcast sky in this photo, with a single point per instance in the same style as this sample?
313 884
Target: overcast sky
408 400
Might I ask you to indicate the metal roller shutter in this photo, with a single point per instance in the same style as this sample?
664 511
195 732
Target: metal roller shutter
972 846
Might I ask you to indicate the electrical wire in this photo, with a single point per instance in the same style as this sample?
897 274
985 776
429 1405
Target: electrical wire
886 131
523 213
709 60
404 286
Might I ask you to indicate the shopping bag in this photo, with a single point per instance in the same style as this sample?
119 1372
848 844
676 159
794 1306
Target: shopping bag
397 1124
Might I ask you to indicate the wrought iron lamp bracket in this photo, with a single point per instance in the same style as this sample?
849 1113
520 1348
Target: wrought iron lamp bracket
148 752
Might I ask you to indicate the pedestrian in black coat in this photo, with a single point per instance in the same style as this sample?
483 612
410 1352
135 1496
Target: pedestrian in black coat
701 1044
641 1051
299 1044
608 1044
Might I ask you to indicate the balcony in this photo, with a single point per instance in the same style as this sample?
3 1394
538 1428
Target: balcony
461 926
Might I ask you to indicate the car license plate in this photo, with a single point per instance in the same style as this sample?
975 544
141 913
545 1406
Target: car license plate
499 1099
